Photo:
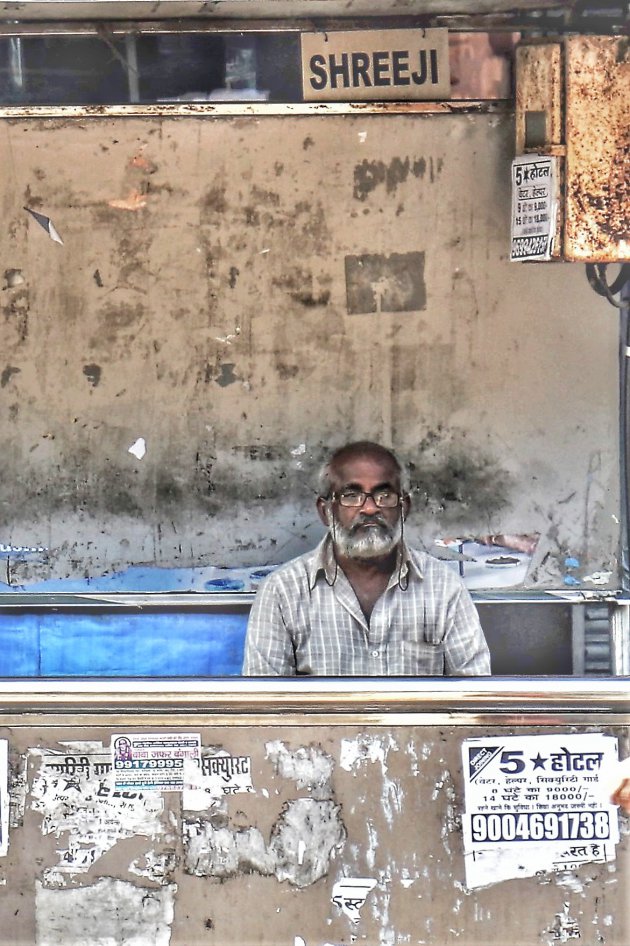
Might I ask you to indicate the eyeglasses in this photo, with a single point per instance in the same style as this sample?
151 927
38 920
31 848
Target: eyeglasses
355 498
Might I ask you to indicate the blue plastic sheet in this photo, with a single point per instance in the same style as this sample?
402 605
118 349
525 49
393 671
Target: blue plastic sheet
145 644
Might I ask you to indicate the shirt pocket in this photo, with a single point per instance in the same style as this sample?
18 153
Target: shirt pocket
422 659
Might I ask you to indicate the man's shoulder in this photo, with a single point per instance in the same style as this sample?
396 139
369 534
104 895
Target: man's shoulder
431 567
295 569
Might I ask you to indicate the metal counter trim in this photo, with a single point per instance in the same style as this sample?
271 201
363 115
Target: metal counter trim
326 697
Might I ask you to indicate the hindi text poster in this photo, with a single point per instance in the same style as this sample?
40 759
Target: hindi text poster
534 804
534 207
148 761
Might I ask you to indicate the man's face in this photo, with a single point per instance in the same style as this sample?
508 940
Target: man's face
367 531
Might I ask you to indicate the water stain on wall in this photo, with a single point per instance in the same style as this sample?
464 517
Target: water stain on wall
368 175
15 309
464 481
93 374
117 322
7 374
377 283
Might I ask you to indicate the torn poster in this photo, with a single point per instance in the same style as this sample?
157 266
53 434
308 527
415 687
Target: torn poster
220 774
350 894
149 761
46 223
4 797
534 804
108 911
73 793
138 448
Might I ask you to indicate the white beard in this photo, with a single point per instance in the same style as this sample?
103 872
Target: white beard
366 544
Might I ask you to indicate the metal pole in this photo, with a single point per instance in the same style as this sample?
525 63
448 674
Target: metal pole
620 640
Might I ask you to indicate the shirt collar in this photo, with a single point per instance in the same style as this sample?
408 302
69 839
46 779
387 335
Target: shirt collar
324 564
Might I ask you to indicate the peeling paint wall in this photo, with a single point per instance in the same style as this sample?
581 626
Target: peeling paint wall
348 834
241 294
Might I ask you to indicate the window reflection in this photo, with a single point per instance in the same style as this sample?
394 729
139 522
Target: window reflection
115 69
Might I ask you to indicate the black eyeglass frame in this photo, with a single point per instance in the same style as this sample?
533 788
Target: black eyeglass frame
365 494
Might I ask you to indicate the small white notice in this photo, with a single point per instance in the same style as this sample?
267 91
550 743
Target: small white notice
534 804
534 207
153 760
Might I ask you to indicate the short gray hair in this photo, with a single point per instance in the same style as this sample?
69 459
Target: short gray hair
359 448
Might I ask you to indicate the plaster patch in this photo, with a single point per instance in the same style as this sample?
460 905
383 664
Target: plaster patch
158 866
309 767
564 927
223 853
303 841
366 748
318 824
108 912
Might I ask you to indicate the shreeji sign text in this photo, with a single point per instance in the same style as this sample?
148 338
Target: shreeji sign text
375 65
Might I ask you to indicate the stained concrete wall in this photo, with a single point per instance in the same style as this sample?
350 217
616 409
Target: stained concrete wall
318 804
243 293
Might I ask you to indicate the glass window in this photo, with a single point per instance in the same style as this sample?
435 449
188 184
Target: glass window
151 67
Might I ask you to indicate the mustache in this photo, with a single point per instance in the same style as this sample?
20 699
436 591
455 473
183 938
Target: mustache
376 518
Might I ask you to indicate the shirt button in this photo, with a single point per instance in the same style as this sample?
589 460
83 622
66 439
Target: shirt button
375 653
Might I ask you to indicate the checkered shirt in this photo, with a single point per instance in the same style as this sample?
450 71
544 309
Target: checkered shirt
306 619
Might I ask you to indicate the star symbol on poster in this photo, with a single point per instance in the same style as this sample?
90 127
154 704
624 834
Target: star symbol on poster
539 761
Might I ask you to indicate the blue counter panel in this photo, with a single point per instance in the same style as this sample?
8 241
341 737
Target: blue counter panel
121 645
19 646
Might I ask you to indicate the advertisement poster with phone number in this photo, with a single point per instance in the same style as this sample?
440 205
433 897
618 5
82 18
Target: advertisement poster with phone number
535 804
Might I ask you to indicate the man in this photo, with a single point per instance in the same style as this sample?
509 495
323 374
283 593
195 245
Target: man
363 603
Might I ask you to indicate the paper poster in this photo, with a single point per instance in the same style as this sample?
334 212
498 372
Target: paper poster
350 894
220 774
153 760
4 797
74 794
534 207
535 804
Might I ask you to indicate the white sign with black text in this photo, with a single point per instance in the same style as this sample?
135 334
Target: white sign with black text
148 761
534 207
534 804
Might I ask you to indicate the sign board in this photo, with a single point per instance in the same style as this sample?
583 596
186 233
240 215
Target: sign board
375 65
534 207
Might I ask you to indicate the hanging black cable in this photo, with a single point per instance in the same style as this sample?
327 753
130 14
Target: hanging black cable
596 275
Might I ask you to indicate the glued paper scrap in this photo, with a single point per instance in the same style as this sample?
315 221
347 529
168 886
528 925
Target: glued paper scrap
350 894
109 911
220 774
534 804
138 448
47 224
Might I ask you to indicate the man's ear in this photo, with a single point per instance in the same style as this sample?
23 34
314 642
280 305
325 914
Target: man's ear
323 508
